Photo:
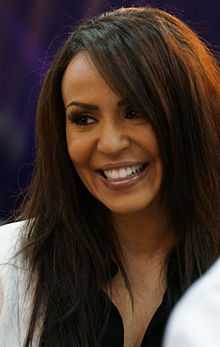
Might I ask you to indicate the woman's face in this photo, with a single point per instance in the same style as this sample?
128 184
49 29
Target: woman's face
112 146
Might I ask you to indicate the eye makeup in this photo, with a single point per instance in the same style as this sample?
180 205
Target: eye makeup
81 118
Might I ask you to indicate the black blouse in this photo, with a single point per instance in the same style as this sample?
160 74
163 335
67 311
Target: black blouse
113 334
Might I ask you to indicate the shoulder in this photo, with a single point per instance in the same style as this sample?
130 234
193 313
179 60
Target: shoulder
9 245
9 238
12 284
195 319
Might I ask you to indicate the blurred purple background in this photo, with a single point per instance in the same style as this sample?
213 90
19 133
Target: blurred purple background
30 33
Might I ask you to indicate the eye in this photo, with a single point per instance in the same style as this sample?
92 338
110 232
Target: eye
131 113
81 119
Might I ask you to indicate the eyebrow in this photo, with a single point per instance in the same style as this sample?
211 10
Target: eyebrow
90 107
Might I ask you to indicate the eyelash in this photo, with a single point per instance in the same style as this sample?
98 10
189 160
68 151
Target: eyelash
81 119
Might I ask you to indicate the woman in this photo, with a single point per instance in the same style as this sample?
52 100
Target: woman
122 212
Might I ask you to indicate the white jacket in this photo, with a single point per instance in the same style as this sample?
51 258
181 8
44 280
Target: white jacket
14 307
195 321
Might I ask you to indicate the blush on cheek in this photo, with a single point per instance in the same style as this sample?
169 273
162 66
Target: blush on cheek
79 149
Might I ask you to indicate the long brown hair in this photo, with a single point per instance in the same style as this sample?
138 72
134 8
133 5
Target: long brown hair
158 63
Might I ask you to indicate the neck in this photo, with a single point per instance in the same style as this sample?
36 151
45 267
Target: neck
145 238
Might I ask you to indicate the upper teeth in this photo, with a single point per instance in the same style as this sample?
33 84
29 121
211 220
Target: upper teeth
123 172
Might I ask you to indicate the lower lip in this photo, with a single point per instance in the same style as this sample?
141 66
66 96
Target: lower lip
126 183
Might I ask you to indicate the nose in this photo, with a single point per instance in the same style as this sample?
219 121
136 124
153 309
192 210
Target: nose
112 138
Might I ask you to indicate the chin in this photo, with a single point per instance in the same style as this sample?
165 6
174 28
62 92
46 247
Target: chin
127 209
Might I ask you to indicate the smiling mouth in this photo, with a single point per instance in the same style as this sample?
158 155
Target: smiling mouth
123 174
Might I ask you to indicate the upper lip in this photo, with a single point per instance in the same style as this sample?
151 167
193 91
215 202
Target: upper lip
119 165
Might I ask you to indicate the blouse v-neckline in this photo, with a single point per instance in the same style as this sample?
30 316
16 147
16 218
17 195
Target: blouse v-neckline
114 331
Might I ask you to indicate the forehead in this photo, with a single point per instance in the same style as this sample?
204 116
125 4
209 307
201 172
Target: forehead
81 79
79 65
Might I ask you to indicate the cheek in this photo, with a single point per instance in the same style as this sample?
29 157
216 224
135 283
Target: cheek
78 148
152 142
146 139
